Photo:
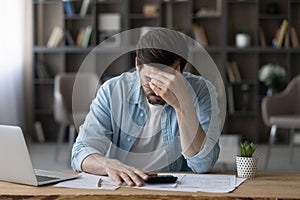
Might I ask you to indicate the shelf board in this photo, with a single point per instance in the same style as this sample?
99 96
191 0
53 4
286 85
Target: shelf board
43 81
234 49
207 16
78 17
273 50
175 1
209 49
294 50
62 49
241 1
43 111
46 2
272 17
242 114
141 16
249 82
108 1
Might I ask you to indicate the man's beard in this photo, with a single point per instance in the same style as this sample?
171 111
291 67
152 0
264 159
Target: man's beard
156 100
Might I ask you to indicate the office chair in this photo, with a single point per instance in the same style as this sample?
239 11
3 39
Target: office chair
282 110
73 94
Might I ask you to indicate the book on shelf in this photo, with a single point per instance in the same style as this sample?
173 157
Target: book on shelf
55 37
86 36
42 71
230 99
262 38
275 37
233 72
236 71
84 7
200 35
80 36
294 37
282 31
69 7
69 38
287 37
230 73
39 131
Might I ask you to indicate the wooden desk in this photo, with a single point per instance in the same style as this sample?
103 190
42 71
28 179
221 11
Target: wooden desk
264 186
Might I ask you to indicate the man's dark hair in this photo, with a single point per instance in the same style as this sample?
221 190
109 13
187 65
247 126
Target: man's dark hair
162 46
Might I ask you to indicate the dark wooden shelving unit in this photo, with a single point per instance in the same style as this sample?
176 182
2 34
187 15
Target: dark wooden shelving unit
179 15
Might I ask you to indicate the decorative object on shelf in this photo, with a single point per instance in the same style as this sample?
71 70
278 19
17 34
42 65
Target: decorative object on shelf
273 76
109 25
242 40
246 163
150 10
209 11
242 37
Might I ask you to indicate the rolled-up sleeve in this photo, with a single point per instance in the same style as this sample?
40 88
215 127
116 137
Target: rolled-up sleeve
95 133
207 112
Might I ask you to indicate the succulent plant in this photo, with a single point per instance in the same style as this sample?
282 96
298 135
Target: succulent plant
247 149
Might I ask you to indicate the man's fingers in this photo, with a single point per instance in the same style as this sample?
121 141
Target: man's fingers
135 178
158 78
155 89
115 177
126 178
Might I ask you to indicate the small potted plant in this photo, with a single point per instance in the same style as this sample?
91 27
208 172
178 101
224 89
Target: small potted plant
246 163
273 76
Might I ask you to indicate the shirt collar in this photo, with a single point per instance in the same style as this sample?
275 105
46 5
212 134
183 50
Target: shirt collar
136 93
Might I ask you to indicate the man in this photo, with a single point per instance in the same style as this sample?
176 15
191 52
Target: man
154 119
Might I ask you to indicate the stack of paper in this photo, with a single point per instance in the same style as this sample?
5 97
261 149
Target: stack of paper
89 181
216 183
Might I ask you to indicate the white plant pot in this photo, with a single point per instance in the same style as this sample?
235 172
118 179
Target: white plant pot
246 166
242 40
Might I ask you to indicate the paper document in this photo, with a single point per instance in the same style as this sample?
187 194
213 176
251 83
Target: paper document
89 181
216 183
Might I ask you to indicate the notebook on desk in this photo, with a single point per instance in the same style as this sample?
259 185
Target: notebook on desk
15 162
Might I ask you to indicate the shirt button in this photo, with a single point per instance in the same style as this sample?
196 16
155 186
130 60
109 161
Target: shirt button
128 139
141 115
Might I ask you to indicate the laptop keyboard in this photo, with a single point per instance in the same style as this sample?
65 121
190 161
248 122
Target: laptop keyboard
44 178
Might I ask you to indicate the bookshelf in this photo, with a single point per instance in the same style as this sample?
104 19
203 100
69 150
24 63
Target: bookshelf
220 19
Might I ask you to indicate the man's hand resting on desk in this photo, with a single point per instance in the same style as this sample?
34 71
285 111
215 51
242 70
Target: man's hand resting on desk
116 170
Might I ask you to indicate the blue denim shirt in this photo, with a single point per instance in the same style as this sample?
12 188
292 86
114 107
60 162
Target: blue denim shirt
117 116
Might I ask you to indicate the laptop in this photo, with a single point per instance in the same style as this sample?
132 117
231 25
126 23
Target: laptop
15 162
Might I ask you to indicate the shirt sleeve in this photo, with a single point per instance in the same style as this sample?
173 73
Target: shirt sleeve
95 133
207 112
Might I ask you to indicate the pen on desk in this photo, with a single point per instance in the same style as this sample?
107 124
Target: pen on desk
99 183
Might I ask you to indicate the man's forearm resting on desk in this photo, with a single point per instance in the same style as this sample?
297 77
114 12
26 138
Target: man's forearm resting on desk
117 171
